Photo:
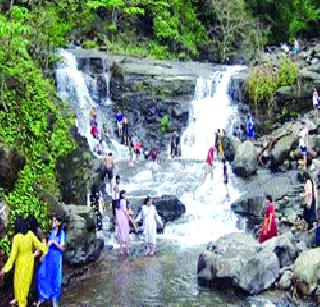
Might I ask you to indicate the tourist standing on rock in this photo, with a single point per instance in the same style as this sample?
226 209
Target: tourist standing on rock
178 147
173 144
50 270
303 143
137 148
119 118
122 224
209 163
310 200
150 218
315 101
99 148
109 165
93 115
115 195
22 258
154 155
296 47
131 153
250 128
269 225
225 171
126 130
94 130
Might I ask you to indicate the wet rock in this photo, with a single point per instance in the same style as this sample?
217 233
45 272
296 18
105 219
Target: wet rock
281 150
230 146
306 271
245 161
75 172
169 207
239 261
11 162
83 246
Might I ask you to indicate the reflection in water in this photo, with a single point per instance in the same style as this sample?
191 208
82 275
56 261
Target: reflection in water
167 278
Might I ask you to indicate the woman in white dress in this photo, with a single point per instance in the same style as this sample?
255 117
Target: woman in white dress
150 218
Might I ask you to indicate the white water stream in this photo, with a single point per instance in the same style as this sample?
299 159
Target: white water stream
208 214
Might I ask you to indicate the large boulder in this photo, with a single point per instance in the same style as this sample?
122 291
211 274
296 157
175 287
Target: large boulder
281 150
169 207
306 271
11 162
237 260
83 246
245 161
230 146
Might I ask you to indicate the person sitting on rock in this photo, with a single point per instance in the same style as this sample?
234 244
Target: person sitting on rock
269 225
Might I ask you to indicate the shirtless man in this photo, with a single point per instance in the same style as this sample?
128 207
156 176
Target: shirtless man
109 164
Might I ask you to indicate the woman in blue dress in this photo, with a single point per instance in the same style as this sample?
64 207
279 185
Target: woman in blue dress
50 270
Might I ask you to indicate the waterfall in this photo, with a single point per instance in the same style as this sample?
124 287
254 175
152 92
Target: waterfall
208 214
210 110
71 87
83 91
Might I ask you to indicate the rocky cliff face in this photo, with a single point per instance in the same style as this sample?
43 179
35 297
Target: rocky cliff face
147 92
288 100
144 90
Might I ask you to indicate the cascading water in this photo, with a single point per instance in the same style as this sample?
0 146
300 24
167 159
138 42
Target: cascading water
81 91
208 214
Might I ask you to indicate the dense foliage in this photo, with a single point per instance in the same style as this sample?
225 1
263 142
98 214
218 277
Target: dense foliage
212 29
31 121
264 81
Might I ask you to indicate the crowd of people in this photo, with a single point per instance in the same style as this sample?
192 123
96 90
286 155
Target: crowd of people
216 153
124 219
37 261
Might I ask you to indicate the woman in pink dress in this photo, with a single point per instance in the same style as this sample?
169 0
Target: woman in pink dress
122 224
269 226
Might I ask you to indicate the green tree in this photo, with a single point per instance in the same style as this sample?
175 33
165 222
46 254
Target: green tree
232 26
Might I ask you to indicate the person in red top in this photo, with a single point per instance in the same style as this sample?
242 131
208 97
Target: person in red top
269 225
94 130
209 162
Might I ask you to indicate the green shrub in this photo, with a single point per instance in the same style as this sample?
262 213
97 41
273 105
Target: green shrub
90 44
288 73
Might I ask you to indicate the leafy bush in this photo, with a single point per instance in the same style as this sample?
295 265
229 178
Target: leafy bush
288 73
265 80
90 44
25 124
